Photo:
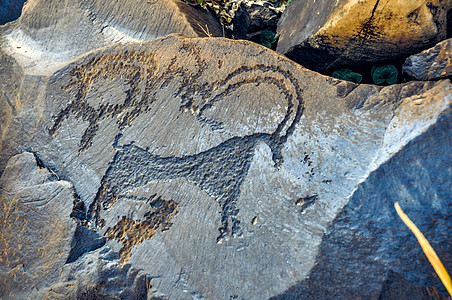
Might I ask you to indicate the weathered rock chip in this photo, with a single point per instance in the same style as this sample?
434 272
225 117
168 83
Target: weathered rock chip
11 77
212 168
50 33
430 64
326 35
35 228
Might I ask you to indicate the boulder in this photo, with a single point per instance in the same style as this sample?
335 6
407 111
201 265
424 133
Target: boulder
213 168
431 64
367 251
48 34
328 35
36 228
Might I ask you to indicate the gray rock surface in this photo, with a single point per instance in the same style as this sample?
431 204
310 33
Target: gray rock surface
217 169
36 228
50 33
11 77
430 64
328 35
367 252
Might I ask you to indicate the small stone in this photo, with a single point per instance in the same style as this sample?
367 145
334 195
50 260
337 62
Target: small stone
431 64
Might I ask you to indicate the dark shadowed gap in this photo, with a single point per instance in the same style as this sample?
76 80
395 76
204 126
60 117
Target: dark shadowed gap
449 24
10 10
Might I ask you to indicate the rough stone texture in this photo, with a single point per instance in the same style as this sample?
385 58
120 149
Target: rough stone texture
430 64
10 10
326 35
218 169
49 33
11 76
367 250
36 228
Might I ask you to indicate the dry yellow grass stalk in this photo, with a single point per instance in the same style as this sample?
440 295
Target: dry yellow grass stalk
428 250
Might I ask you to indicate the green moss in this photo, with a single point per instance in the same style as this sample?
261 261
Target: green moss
267 38
347 74
384 73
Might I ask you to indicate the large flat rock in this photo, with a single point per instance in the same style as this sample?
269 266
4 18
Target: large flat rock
211 168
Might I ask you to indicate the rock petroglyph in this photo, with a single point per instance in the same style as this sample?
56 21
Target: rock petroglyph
210 168
134 166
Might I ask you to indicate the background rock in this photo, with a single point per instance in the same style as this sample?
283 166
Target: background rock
215 168
50 33
325 35
250 20
430 64
244 19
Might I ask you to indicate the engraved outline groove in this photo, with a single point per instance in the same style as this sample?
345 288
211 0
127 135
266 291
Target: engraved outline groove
133 166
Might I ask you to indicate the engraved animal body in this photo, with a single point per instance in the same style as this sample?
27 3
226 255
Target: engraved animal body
219 171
